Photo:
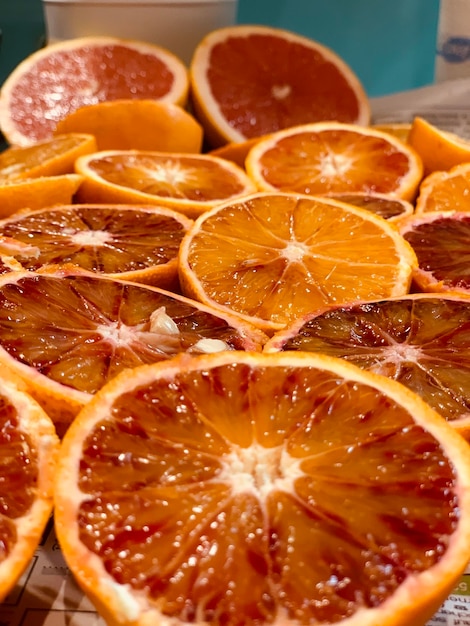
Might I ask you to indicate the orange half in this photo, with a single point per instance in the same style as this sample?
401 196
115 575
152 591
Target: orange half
330 157
251 80
61 77
263 489
273 257
190 183
78 330
420 340
129 242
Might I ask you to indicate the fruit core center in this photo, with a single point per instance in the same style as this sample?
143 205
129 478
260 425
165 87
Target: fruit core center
171 174
259 470
333 165
281 92
294 251
400 352
91 237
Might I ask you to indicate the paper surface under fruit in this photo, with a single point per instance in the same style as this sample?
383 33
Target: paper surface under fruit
444 104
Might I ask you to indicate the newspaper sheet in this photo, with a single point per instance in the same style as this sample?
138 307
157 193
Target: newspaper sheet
446 105
47 594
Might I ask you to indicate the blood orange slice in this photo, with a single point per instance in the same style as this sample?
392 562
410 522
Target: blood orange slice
420 340
28 451
250 80
61 77
390 208
127 242
263 489
441 244
330 157
67 332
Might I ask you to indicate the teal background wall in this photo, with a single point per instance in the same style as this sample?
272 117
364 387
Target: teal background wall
390 45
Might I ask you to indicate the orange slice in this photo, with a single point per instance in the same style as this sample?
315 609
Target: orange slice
309 492
28 450
127 242
78 330
51 157
191 184
273 257
136 124
440 242
391 209
438 149
61 77
37 193
420 340
251 80
445 191
330 157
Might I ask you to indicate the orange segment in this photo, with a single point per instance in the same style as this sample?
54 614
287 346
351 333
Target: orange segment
52 157
420 340
136 124
438 149
251 80
272 257
440 242
61 77
445 191
309 492
78 330
28 451
330 157
37 193
191 184
126 242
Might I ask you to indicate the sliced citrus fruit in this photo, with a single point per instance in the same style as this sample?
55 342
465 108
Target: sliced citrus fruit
128 242
28 450
440 242
438 149
390 208
36 193
420 340
136 124
330 157
188 183
61 77
401 130
445 190
250 80
272 257
309 492
78 330
50 157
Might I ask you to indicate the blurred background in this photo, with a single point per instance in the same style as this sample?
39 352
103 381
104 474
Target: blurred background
390 45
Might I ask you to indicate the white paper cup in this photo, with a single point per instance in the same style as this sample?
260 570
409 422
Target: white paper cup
177 25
